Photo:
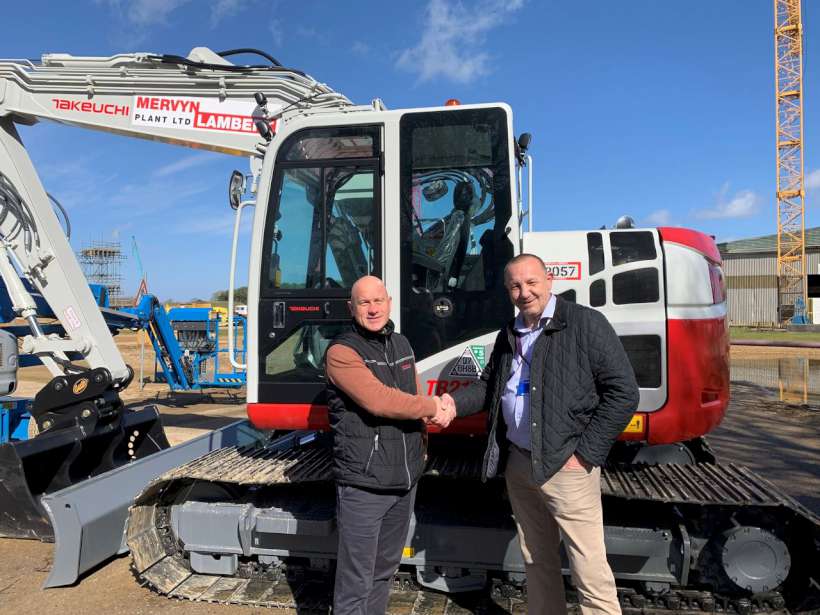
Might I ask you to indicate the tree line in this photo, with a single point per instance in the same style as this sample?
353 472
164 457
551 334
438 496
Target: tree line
240 295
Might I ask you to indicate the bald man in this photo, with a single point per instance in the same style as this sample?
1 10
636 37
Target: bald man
379 445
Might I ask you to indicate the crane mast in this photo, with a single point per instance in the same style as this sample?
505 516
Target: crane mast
791 248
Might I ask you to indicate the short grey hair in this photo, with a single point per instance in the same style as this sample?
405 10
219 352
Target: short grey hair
522 257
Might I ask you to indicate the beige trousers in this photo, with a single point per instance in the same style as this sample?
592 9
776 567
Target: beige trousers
568 505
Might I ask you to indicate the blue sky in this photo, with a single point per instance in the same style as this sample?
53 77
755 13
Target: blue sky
658 109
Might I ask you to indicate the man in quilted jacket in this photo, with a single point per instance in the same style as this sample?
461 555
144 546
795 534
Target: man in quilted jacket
558 388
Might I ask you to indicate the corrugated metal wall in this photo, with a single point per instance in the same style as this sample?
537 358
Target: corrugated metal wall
751 280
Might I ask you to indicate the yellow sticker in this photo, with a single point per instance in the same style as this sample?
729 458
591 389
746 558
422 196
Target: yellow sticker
408 552
636 425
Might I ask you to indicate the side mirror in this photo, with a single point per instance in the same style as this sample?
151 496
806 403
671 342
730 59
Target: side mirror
524 141
236 188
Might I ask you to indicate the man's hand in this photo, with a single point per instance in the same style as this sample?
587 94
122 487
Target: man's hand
576 462
448 402
445 411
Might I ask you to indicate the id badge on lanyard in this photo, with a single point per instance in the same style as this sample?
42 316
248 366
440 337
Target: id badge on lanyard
523 385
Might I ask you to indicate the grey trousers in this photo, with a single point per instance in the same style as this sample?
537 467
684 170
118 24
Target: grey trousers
372 532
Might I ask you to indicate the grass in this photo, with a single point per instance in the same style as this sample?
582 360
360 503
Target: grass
745 333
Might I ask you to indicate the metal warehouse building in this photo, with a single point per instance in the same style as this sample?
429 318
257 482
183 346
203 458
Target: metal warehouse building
750 268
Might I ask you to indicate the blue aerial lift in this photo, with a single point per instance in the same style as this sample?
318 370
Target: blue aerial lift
187 345
190 354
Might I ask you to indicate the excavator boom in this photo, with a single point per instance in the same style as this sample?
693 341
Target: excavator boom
201 101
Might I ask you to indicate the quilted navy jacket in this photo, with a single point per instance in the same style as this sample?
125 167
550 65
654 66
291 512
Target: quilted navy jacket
583 391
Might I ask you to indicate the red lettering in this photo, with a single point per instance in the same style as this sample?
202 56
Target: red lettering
440 387
221 121
63 104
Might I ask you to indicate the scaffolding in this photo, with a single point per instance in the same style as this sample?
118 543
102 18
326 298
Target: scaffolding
102 264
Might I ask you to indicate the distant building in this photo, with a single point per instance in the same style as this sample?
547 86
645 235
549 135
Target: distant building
750 268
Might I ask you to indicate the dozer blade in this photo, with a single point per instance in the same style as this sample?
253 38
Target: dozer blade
54 461
89 518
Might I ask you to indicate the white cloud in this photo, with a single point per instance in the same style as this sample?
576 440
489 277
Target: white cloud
143 13
75 182
453 38
214 224
145 199
120 229
137 17
360 49
189 162
275 29
743 204
660 217
812 180
226 8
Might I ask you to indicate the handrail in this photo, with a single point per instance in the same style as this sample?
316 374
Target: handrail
231 344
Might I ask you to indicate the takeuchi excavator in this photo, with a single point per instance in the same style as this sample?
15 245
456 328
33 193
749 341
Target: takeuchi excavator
432 200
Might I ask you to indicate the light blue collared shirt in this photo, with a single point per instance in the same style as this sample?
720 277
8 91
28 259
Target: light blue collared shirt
515 402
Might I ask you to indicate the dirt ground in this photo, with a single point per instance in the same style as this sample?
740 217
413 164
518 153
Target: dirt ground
779 441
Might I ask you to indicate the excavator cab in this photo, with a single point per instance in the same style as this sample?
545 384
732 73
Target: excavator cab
421 199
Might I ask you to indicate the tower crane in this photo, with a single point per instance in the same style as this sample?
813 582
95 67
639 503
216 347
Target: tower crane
791 210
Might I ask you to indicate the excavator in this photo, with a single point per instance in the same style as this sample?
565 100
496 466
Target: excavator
432 200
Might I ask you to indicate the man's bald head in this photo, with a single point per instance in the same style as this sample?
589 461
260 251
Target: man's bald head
367 284
369 303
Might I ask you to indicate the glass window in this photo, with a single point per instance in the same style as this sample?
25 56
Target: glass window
301 237
351 227
456 205
631 246
595 248
301 357
644 352
332 143
323 227
597 293
569 295
637 286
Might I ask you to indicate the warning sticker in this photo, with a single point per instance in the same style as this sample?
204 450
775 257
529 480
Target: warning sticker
466 365
70 319
478 353
191 113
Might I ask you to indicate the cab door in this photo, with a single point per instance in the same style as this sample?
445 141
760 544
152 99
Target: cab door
322 233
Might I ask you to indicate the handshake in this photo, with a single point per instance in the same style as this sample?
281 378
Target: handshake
445 411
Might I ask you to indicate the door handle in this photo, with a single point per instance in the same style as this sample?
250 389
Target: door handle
278 314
